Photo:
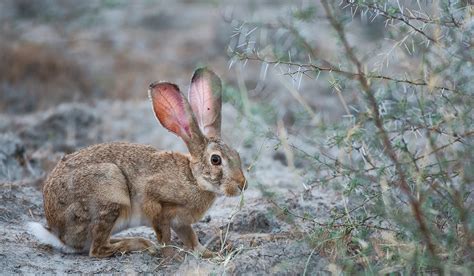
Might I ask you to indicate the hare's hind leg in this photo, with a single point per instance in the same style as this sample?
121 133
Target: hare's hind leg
101 230
103 246
107 199
134 244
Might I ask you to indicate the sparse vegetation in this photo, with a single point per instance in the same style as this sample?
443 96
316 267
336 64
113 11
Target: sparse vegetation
402 152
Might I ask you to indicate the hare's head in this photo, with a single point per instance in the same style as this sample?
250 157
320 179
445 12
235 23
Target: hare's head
215 166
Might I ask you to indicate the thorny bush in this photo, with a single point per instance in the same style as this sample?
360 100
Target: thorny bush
402 153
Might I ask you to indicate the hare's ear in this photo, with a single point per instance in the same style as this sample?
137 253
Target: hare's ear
205 98
174 113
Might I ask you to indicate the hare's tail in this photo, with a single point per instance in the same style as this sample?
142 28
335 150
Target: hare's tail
45 236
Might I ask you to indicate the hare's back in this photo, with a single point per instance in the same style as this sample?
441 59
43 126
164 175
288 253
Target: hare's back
108 161
117 153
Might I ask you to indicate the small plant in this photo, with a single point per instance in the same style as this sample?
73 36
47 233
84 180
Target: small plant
402 154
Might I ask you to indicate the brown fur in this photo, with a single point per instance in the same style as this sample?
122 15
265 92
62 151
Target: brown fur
105 188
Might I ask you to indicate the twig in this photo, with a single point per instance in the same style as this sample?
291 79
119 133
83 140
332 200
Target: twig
307 261
31 214
331 224
437 21
311 67
403 18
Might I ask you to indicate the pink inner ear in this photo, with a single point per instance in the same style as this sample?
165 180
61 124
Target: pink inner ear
168 104
200 98
204 103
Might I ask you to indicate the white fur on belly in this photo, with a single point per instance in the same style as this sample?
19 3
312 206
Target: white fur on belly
135 218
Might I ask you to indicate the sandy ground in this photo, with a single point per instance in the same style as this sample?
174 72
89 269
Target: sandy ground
259 240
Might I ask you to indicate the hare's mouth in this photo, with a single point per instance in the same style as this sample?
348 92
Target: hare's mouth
232 189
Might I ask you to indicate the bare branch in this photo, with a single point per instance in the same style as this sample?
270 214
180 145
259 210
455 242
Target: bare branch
398 15
311 67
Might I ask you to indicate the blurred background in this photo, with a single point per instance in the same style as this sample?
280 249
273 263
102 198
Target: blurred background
69 51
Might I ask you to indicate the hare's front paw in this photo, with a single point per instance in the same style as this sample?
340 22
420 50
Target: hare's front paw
170 254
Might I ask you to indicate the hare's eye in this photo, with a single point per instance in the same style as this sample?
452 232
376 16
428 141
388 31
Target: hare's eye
216 160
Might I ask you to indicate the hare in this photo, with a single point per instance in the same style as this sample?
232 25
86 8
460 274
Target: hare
105 188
